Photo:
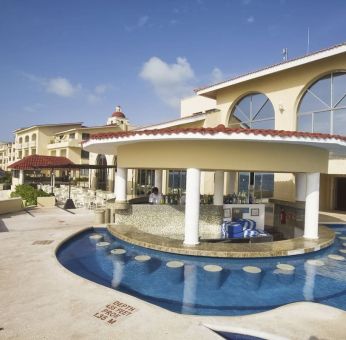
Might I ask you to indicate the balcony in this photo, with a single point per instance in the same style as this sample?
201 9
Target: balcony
70 143
18 145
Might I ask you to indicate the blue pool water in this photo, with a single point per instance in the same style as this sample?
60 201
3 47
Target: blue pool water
195 291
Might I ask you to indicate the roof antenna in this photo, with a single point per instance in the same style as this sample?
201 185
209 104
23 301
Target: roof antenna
284 54
308 46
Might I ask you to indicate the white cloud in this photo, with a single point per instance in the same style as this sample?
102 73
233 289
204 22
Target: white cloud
102 88
61 87
216 75
141 22
250 19
97 94
171 82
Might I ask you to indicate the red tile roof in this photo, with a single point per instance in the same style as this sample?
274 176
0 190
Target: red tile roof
38 161
218 129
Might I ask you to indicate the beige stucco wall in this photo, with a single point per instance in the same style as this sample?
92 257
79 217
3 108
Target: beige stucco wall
191 105
337 166
221 155
44 135
284 89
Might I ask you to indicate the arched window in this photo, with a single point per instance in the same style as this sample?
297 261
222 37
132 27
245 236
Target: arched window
254 111
26 138
33 137
323 106
20 140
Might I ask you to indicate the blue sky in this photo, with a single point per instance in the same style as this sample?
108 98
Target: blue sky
75 60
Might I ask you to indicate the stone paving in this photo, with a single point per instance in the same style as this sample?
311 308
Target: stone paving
40 299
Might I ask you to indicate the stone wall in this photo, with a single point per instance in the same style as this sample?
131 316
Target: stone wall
11 205
169 220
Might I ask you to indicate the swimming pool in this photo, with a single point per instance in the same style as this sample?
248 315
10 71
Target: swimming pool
190 289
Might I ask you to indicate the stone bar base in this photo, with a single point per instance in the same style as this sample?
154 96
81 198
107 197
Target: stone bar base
168 220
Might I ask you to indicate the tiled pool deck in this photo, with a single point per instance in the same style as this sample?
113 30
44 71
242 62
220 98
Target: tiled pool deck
40 299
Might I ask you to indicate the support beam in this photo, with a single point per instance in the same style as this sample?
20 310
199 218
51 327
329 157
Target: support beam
300 179
158 180
121 185
193 178
218 187
312 205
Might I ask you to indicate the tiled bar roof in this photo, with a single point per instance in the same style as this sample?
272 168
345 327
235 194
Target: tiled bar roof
218 129
39 161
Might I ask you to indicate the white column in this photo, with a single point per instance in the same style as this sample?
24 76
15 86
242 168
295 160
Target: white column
21 177
92 177
218 187
312 205
193 178
121 185
158 180
53 180
300 179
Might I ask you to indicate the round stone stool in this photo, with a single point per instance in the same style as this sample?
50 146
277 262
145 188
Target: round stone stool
213 275
317 263
175 271
336 257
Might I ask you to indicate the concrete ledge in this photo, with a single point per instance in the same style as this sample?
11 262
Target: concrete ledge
46 202
290 247
11 205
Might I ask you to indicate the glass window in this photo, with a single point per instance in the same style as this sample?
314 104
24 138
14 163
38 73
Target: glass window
85 136
244 181
253 111
263 184
339 89
176 181
321 122
72 136
323 106
145 180
339 122
84 154
305 123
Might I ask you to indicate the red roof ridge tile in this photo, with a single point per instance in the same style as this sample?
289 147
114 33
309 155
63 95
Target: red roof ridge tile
218 129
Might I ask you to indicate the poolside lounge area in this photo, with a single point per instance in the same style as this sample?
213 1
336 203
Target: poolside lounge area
65 305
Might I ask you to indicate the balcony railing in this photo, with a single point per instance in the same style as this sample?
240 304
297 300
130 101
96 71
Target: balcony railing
70 143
